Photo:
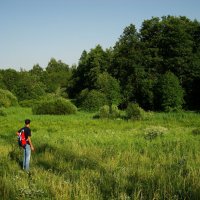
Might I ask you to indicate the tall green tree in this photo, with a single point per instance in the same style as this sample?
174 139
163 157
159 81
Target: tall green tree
144 84
57 75
10 78
169 93
172 44
2 85
167 44
150 35
37 71
126 58
28 87
56 66
91 64
110 87
192 79
126 54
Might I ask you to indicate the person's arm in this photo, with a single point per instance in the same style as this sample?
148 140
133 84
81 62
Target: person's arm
31 145
17 133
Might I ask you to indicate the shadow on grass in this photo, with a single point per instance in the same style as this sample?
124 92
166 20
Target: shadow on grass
76 161
7 138
146 187
16 154
72 167
67 163
42 148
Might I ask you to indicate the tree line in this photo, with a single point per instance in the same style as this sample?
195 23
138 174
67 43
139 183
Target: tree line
157 67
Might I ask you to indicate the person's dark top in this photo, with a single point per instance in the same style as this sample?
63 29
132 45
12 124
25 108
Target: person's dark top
27 132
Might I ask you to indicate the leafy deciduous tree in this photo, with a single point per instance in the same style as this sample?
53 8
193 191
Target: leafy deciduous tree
169 95
110 87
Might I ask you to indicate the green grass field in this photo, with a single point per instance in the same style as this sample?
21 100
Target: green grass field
77 157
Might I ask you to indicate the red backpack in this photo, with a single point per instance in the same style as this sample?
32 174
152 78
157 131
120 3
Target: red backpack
22 139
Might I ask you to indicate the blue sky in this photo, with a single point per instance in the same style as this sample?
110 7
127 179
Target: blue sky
34 31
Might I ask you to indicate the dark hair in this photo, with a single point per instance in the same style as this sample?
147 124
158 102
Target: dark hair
27 121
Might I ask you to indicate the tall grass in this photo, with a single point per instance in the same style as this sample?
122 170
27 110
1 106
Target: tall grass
78 157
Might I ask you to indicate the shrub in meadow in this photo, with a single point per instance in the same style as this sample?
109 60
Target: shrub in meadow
134 111
81 97
27 103
169 93
109 86
93 101
104 112
33 102
107 112
196 131
2 112
154 132
114 112
7 99
56 106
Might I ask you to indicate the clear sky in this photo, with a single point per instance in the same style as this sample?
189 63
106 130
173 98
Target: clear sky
34 31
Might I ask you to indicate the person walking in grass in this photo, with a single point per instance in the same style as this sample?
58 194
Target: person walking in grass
28 146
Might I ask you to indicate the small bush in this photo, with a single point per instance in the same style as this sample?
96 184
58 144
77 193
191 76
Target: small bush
106 112
93 101
7 99
28 103
196 131
32 102
57 106
134 111
2 112
154 132
169 93
115 113
81 97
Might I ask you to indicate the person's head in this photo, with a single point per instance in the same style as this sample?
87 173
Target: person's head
27 122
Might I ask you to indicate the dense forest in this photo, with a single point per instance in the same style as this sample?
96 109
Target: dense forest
157 67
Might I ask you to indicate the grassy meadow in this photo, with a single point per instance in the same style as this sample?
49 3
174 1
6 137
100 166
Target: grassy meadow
80 158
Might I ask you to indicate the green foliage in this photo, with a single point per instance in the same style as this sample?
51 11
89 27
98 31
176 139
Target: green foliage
2 85
93 101
56 75
10 78
114 112
172 44
126 55
196 131
168 44
82 96
56 66
37 71
2 112
77 157
28 103
91 64
106 112
57 106
144 89
134 65
28 87
169 93
126 59
154 131
110 87
134 111
7 99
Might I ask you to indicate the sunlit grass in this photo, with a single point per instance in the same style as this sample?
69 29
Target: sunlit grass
78 157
